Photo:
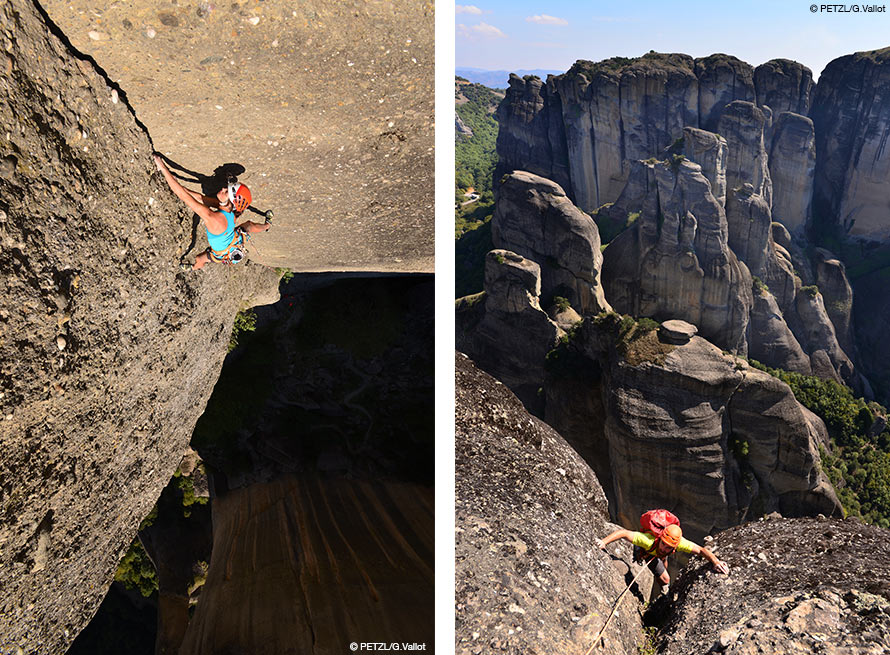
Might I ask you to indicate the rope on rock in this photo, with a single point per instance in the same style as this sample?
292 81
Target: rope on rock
599 634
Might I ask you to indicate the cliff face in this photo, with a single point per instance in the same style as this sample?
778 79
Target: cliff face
851 114
531 130
618 110
775 600
108 352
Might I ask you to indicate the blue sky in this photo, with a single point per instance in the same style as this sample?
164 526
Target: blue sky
529 34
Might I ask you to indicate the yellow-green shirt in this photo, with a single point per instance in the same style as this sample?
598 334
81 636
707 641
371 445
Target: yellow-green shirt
646 541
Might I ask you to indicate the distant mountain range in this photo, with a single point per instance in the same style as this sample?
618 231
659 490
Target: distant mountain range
498 79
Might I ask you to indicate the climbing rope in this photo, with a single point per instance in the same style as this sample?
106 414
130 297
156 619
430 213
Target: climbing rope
599 634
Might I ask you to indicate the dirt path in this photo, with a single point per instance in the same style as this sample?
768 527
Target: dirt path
327 104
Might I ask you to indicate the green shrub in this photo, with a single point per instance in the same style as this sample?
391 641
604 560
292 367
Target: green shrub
811 291
676 161
285 275
647 325
739 447
562 304
245 321
136 572
759 286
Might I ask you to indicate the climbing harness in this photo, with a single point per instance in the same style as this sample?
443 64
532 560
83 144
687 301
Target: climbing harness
598 639
235 252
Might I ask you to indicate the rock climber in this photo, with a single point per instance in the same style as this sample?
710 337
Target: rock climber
218 214
657 549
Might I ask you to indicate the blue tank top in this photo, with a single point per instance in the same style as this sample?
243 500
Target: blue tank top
220 242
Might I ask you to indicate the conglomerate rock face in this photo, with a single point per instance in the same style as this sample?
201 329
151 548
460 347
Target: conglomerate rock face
784 85
108 351
795 586
792 164
528 578
528 133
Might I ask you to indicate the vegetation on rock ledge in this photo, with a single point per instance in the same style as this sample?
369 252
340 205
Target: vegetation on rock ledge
859 462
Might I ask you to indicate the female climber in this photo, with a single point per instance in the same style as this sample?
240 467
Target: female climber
218 214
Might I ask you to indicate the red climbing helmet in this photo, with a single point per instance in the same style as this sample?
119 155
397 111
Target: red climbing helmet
239 196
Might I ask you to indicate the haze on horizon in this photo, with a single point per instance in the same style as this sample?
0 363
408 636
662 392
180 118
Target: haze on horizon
528 34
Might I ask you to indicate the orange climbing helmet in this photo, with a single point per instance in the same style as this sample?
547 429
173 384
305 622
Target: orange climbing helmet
239 196
671 536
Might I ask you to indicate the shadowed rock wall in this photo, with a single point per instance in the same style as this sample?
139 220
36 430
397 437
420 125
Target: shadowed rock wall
320 563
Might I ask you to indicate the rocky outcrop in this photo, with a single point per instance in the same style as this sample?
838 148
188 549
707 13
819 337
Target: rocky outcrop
504 329
708 150
531 131
831 278
675 261
615 112
692 406
820 340
108 352
304 565
750 237
771 341
461 129
851 119
534 218
773 601
750 228
784 85
792 164
742 124
527 576
721 79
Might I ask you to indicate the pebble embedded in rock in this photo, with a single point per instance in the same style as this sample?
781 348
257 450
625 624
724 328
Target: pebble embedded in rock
61 342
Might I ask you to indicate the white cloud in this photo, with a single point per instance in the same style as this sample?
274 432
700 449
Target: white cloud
482 30
544 19
467 9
